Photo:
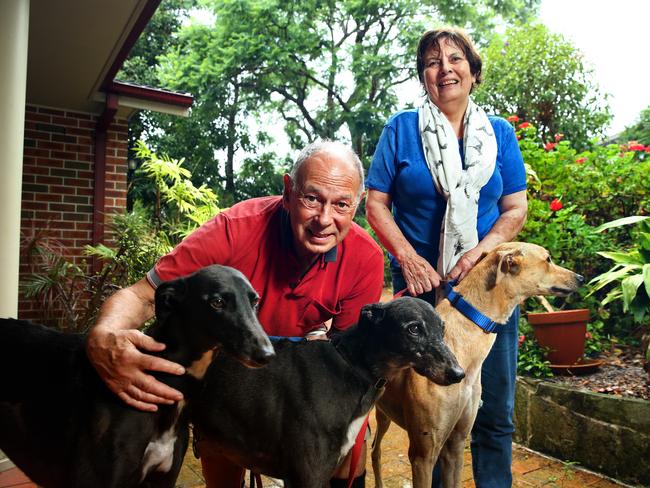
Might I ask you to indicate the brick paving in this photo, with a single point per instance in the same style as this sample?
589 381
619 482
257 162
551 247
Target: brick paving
530 469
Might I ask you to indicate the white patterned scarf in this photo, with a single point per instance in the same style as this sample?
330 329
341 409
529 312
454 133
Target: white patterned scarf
460 186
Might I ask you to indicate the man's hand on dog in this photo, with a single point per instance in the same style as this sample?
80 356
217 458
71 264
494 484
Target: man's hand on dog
117 357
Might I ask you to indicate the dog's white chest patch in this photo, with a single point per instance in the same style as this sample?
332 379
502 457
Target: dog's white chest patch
351 435
159 454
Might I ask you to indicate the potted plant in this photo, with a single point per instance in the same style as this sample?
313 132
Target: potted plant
561 334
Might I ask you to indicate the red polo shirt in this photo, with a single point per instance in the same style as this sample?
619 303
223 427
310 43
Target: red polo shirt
255 237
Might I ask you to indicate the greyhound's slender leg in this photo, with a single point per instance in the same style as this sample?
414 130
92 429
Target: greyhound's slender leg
451 455
383 422
422 457
451 460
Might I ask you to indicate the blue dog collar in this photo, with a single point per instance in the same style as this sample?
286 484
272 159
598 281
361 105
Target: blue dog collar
290 339
466 308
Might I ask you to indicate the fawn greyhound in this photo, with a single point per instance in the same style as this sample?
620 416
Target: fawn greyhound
437 419
62 426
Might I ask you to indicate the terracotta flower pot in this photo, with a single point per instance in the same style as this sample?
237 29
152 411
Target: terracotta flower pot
561 333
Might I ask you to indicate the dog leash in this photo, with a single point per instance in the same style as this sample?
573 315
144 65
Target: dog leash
467 309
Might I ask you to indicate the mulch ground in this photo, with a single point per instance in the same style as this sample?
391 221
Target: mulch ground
621 374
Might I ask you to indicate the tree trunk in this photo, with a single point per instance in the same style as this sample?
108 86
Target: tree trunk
232 138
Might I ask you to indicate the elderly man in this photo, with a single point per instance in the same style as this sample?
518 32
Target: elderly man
301 251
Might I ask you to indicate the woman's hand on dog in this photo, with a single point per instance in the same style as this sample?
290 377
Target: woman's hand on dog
117 357
419 275
465 264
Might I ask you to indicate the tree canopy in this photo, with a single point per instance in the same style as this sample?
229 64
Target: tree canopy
313 68
640 130
541 77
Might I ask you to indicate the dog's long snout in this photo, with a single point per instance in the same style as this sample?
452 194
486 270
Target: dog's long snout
264 354
455 374
261 350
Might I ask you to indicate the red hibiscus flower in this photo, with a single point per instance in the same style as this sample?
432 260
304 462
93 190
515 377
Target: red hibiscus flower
636 147
555 205
513 118
522 338
525 125
580 160
549 146
559 137
647 149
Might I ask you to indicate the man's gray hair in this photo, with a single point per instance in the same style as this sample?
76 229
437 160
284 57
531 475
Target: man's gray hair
327 145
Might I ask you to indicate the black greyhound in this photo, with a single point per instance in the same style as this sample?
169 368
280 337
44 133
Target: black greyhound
63 427
297 418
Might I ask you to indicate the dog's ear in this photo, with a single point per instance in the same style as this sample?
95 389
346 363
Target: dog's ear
508 262
372 313
168 295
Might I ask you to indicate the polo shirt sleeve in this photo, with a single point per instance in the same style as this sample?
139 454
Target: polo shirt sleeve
382 168
212 243
367 285
513 171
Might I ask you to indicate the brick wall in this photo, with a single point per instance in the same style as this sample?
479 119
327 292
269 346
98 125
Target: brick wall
58 180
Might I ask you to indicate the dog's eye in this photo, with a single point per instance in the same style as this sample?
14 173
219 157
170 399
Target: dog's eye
413 329
548 259
255 302
218 303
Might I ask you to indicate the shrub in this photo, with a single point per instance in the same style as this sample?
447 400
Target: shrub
69 295
570 194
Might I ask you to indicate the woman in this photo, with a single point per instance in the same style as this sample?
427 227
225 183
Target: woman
447 183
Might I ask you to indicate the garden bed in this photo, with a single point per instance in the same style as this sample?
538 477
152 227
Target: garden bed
621 374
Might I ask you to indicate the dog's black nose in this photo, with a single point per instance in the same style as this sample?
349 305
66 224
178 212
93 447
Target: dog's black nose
579 278
265 354
455 374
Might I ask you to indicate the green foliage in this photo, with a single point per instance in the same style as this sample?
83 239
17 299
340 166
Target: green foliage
640 131
57 284
180 206
260 176
571 193
631 271
530 359
541 77
70 295
591 187
138 245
